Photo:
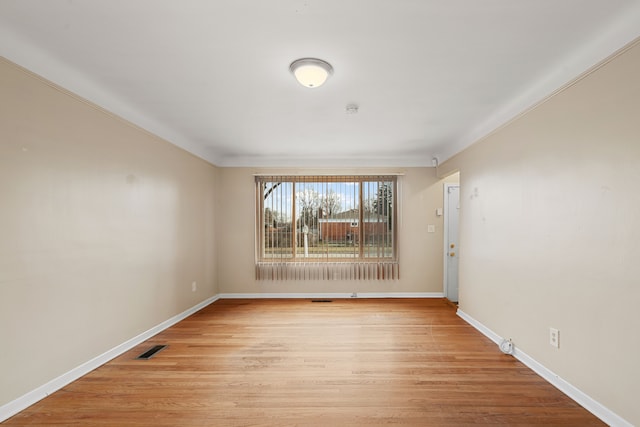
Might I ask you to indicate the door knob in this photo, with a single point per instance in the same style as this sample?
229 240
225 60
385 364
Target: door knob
452 254
453 245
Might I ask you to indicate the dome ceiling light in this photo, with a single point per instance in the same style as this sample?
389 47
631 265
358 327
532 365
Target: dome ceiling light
311 72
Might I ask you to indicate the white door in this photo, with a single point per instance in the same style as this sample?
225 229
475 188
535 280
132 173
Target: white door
451 215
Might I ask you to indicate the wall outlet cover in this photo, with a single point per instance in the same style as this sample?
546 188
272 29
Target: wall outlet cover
554 337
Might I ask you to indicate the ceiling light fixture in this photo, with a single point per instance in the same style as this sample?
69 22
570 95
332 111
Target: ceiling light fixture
311 72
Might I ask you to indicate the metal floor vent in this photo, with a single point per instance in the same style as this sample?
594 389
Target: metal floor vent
151 352
321 300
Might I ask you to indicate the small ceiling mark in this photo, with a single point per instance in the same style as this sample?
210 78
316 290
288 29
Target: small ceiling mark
352 109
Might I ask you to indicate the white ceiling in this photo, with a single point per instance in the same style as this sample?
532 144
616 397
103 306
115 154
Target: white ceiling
430 76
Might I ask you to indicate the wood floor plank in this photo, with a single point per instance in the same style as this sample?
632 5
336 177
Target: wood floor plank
353 362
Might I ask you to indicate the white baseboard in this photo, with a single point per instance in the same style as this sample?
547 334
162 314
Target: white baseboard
336 295
10 409
590 404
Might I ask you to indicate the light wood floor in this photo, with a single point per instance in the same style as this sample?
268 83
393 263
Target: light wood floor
351 362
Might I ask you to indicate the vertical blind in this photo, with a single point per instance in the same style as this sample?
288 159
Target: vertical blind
326 227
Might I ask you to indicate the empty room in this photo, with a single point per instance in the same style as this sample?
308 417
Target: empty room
312 213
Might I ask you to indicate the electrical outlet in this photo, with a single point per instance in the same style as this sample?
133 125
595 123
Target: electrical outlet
194 286
554 337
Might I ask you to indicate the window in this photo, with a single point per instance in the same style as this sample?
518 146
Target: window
326 227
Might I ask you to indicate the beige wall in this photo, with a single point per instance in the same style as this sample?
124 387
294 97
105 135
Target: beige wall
103 228
420 252
550 233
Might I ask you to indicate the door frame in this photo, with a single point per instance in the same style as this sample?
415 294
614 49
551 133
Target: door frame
445 240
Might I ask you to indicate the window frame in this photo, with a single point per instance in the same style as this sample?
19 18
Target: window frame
295 257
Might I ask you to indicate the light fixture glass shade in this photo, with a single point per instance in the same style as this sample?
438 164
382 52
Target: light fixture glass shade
311 72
